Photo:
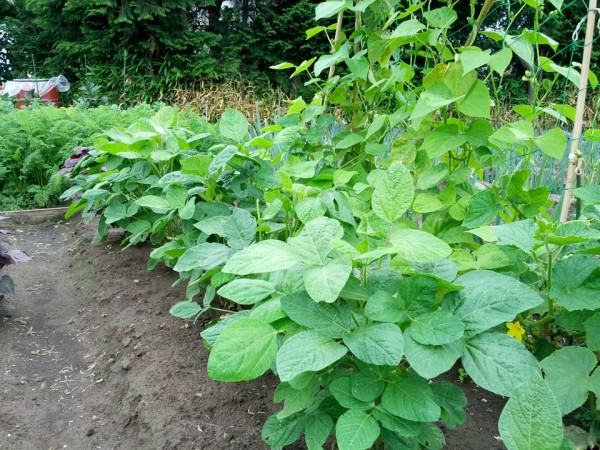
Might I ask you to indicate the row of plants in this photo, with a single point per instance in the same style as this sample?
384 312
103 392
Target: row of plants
34 142
359 265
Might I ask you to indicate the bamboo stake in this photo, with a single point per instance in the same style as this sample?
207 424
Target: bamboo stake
336 39
578 124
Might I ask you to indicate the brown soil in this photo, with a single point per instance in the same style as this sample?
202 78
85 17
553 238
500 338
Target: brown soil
91 359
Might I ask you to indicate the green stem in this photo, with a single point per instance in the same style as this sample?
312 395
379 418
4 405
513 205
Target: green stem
222 310
549 284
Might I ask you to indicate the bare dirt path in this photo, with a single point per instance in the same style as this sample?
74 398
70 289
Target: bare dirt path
91 359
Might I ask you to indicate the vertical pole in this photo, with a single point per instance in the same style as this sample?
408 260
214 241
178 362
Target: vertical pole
578 124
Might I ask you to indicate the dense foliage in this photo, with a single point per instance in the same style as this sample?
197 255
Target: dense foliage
141 51
359 253
35 142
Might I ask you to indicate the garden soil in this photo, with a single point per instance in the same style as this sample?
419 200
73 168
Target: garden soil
91 359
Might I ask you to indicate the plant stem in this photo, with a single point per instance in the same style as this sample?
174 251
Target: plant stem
485 9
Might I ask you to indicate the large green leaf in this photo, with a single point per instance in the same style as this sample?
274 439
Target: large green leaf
240 229
157 204
553 143
243 351
500 61
378 343
521 234
317 429
477 102
331 320
205 256
246 291
433 99
429 361
483 208
592 332
279 433
341 389
262 257
576 283
452 400
393 193
490 298
233 125
436 328
411 398
356 430
295 400
498 362
402 427
531 419
325 283
383 307
567 372
307 351
418 246
314 242
442 140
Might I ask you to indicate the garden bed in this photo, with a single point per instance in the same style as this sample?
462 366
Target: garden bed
92 359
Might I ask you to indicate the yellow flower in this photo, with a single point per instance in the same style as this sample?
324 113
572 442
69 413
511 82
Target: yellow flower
515 330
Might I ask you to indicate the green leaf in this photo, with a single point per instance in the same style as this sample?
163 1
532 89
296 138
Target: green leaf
240 229
576 283
211 333
356 430
473 59
383 307
279 433
429 361
314 242
324 283
365 387
574 232
205 256
262 257
350 141
500 61
307 351
442 140
477 102
590 195
341 389
233 125
295 400
407 28
592 332
331 320
520 234
531 419
483 208
378 343
418 246
317 429
245 350
157 204
411 398
221 159
185 310
433 99
376 125
440 17
310 208
452 400
328 60
436 328
402 427
553 143
490 298
567 372
246 291
328 9
498 362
